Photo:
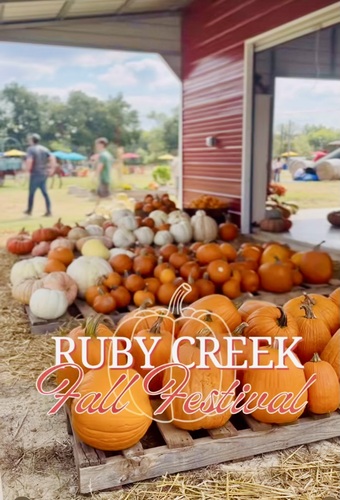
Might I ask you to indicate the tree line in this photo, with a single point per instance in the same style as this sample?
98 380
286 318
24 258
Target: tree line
72 125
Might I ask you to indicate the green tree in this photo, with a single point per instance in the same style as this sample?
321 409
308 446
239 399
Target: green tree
319 136
302 145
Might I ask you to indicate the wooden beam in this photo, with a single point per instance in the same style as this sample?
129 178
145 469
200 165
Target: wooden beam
65 9
2 10
123 6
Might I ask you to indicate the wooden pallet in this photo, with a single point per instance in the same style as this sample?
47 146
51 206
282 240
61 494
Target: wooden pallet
168 450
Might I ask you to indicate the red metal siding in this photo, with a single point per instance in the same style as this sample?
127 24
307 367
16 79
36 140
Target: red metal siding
213 38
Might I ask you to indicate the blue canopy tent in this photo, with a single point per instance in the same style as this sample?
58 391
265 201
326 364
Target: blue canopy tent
60 155
68 156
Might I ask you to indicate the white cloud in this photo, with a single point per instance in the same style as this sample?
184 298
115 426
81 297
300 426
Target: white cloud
18 70
102 58
63 92
162 75
145 104
119 75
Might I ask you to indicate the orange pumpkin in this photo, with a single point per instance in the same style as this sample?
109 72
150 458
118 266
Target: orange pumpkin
297 277
190 268
121 263
228 231
276 277
272 322
143 319
122 296
202 381
250 281
323 308
112 431
250 306
165 293
316 266
218 271
63 254
159 356
144 264
144 297
104 303
134 282
167 250
274 252
245 351
93 328
273 382
193 326
324 394
152 284
232 288
331 353
208 252
205 286
251 253
53 266
112 280
93 291
179 258
220 306
228 251
335 297
314 332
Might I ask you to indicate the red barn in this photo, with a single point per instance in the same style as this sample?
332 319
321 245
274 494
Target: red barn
227 54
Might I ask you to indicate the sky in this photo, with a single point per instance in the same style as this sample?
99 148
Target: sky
145 80
307 101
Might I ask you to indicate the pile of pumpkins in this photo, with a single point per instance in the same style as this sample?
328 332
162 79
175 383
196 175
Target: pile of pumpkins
128 260
313 317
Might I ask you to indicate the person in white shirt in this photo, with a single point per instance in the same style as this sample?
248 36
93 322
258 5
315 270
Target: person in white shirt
277 165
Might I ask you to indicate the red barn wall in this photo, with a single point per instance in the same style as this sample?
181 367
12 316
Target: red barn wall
213 36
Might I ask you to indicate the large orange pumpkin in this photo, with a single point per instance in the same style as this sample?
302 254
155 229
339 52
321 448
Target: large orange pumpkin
331 353
314 332
202 381
274 252
323 308
324 394
335 297
113 431
249 306
276 277
193 326
272 322
274 381
144 319
159 356
220 306
316 266
93 327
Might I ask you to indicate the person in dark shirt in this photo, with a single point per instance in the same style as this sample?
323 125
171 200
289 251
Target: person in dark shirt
38 161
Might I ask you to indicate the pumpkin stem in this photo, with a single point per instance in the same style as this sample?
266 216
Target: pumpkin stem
308 311
208 318
146 304
238 332
156 327
92 323
282 320
308 299
317 247
316 358
204 332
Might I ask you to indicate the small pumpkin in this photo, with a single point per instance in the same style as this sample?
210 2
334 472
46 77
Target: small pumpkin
228 251
250 281
93 291
167 250
252 305
144 265
27 268
123 238
41 249
178 258
204 227
182 231
190 268
77 233
144 296
220 305
53 265
23 290
324 394
95 248
165 293
205 286
122 296
121 263
208 252
112 280
64 255
104 303
316 266
62 229
21 244
232 288
219 271
152 284
63 243
144 235
163 238
274 252
61 281
44 234
228 231
86 271
275 225
134 282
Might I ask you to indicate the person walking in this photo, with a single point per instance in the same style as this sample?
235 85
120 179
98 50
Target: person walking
276 168
103 167
38 161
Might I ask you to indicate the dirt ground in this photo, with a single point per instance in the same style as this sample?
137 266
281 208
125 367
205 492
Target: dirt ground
36 459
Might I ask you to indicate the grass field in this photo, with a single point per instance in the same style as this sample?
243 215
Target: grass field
13 196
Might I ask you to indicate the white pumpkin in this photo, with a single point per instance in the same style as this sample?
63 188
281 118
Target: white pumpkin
123 238
205 228
116 215
96 219
177 216
95 248
48 304
28 268
144 235
94 230
182 231
120 251
159 217
86 271
61 281
163 238
22 291
110 231
77 233
128 222
62 242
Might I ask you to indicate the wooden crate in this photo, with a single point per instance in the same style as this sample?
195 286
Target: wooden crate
80 309
168 450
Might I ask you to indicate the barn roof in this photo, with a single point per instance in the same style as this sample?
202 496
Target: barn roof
133 25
